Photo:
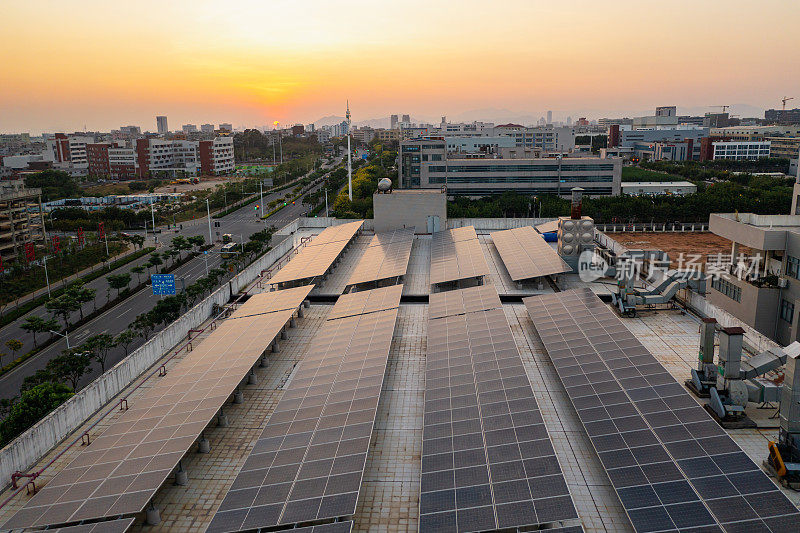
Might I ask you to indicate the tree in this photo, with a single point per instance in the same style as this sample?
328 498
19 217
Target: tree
171 254
2 355
118 281
193 292
196 240
155 259
62 306
125 339
147 265
137 240
14 345
80 294
144 324
99 346
32 405
36 324
138 270
70 366
180 243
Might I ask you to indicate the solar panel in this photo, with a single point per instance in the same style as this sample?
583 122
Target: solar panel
448 303
334 527
341 232
308 462
316 258
109 526
526 255
359 303
120 471
672 466
456 254
386 257
487 459
389 237
548 227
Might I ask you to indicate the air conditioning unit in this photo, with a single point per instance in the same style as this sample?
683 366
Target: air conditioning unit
783 283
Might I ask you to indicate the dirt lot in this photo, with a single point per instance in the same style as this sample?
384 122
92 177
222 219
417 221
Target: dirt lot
205 183
703 243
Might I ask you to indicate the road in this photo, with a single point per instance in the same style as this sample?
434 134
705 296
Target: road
241 224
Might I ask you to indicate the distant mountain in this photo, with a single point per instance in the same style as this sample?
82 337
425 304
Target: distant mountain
330 120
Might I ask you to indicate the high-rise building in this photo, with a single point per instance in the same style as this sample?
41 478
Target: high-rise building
226 126
207 128
406 118
782 116
569 121
549 117
161 122
189 128
393 120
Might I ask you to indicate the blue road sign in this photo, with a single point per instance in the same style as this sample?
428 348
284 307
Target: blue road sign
163 284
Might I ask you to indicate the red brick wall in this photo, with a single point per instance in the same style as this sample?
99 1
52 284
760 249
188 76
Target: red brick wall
97 157
206 152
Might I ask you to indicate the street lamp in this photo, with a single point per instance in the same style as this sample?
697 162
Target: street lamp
65 335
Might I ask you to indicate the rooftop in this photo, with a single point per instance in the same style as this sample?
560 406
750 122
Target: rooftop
390 490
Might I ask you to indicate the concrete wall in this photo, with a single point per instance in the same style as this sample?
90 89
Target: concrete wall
758 307
25 450
494 224
405 209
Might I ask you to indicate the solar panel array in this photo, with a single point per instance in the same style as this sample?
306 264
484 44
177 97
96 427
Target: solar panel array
672 466
526 254
487 459
335 527
449 303
386 257
109 526
457 254
359 303
308 462
341 232
316 257
121 470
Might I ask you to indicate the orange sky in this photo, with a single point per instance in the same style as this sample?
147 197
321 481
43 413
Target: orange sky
106 64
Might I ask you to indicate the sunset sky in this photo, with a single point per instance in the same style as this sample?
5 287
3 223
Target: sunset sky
104 64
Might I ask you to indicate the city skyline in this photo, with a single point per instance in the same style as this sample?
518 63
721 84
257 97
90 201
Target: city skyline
251 64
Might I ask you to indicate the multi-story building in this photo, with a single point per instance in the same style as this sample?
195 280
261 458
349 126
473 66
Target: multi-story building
68 152
741 150
756 133
206 128
545 138
189 128
426 163
161 124
111 160
783 116
765 291
387 135
150 157
784 147
666 111
226 126
20 218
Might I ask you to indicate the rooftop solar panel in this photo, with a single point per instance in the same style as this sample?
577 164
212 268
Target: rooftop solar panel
316 258
389 237
448 303
548 227
120 471
526 255
487 459
672 466
340 232
109 526
334 527
456 254
362 302
308 463
386 257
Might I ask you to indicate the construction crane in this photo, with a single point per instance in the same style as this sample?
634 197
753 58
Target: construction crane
724 107
786 99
